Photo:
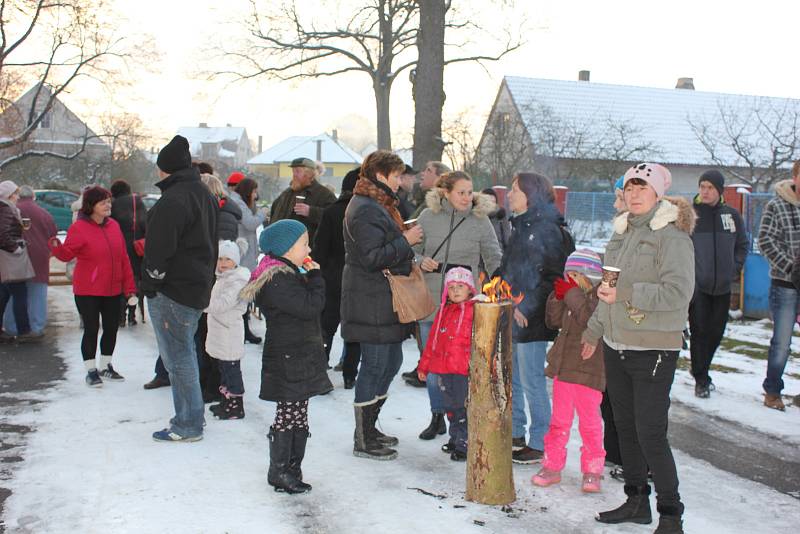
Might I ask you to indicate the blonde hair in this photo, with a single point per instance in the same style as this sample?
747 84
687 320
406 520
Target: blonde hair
448 180
214 185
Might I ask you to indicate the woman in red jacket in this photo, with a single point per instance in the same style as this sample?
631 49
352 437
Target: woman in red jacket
102 275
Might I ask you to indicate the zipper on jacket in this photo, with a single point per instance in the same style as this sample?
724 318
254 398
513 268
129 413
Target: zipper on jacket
714 238
113 263
658 361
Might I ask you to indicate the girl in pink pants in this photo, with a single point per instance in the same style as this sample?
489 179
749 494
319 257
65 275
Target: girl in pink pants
578 382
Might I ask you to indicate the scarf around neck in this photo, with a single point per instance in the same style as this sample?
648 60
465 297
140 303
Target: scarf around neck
382 195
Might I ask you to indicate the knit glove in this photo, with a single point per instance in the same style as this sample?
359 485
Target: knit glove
562 285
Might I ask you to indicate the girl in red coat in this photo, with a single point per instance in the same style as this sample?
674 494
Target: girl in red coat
447 354
102 275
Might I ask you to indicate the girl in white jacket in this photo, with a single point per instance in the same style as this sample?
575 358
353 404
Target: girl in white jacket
225 342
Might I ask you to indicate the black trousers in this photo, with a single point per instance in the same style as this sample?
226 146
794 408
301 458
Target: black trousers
708 315
610 437
639 383
93 310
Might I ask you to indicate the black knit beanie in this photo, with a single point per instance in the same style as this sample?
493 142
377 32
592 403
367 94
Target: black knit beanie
175 156
715 178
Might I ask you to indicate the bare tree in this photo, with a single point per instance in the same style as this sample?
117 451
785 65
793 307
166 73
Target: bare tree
504 149
755 142
48 45
462 147
436 17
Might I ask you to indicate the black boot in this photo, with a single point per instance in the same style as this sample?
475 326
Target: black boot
389 441
232 407
635 510
670 522
365 442
437 427
131 315
280 450
249 337
298 453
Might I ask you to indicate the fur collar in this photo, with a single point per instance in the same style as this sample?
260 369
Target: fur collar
784 190
263 274
482 205
675 210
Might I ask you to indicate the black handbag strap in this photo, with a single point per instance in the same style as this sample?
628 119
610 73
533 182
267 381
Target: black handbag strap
446 239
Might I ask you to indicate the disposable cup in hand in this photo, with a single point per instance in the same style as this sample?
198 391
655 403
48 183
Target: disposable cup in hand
26 223
410 222
300 198
133 301
610 276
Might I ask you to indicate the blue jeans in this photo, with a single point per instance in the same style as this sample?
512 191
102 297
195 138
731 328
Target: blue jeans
784 304
174 325
231 376
432 381
530 384
379 365
18 291
454 389
37 309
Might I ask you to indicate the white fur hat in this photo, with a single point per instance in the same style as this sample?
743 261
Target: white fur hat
233 251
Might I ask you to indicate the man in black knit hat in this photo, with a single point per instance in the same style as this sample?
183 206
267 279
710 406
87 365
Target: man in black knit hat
177 274
720 248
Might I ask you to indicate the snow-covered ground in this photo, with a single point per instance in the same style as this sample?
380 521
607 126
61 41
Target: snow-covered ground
91 466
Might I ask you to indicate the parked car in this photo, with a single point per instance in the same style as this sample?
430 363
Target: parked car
58 204
150 200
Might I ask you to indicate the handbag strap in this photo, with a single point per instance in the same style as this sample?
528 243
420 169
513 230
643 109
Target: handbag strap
446 239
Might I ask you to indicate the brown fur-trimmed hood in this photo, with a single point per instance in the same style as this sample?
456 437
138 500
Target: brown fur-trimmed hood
676 210
264 273
785 190
482 205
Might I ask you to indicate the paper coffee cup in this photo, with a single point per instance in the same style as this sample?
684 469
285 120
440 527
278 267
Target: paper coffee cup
610 276
410 222
26 223
133 301
300 198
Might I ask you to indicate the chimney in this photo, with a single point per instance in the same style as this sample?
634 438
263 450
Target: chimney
319 149
335 135
260 144
203 125
685 83
583 75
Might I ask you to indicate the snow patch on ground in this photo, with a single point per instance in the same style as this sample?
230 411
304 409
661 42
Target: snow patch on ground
91 466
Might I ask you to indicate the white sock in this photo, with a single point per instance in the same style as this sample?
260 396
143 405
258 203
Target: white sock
91 365
104 361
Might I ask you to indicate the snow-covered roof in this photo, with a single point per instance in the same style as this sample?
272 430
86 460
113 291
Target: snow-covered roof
661 115
196 135
333 151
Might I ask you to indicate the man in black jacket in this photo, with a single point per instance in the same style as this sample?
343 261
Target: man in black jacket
177 274
720 248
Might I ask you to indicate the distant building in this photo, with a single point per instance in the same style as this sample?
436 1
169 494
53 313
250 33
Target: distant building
226 148
60 131
337 157
571 129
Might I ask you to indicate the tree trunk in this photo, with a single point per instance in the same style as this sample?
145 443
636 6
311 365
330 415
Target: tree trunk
383 89
489 475
429 83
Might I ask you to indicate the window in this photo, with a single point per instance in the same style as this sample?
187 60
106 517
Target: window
46 120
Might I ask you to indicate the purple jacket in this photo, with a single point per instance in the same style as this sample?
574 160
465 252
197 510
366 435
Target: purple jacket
43 227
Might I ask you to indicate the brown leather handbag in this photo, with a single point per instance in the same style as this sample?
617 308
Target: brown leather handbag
411 299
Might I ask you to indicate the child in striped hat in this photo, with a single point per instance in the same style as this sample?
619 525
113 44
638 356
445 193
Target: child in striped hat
578 383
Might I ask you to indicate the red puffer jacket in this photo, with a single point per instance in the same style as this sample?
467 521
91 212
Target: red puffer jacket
449 343
103 268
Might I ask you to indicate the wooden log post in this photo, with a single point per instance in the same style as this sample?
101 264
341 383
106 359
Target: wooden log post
489 475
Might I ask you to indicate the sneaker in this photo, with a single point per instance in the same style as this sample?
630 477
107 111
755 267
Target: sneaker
449 447
526 455
517 443
93 379
410 375
110 374
701 391
416 382
546 477
169 436
774 401
617 474
591 483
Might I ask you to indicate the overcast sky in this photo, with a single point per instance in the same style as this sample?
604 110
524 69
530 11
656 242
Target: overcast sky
728 49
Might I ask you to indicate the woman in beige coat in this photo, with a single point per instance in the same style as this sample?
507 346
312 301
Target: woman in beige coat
457 233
